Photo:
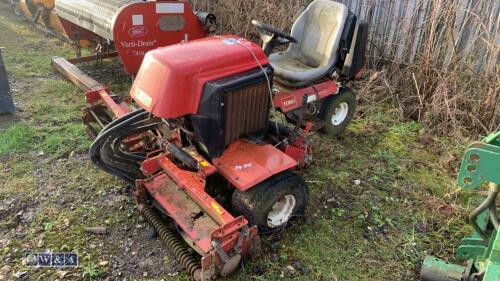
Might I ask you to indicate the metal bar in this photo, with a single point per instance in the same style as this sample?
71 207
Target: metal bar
93 58
194 188
88 84
118 110
96 118
493 262
6 103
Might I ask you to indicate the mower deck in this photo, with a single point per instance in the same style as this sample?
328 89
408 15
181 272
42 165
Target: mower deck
221 239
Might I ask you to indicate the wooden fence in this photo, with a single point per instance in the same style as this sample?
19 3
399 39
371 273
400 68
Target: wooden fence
449 32
464 29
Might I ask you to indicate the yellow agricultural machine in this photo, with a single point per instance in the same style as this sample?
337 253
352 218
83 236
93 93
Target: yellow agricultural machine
40 12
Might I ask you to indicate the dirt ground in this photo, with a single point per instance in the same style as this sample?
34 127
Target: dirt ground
382 195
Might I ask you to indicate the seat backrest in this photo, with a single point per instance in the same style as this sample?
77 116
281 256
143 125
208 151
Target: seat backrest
318 31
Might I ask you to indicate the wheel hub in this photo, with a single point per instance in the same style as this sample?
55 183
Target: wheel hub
340 114
281 211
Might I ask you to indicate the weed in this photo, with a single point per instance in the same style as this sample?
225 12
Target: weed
91 270
47 226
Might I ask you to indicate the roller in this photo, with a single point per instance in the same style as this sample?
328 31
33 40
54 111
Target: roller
131 27
94 15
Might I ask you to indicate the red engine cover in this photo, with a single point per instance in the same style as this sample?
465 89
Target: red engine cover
170 81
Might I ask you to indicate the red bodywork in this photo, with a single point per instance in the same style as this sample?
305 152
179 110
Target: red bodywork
165 188
154 26
102 96
187 67
246 164
200 218
170 85
287 101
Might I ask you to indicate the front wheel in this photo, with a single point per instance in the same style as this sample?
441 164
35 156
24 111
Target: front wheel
274 203
338 111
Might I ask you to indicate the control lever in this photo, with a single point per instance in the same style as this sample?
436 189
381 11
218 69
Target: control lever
298 125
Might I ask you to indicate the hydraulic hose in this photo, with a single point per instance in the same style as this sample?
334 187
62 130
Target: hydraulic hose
101 152
182 156
494 215
129 167
116 145
113 126
490 204
122 119
493 208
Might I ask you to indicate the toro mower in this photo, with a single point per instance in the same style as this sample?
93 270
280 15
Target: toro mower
479 254
198 145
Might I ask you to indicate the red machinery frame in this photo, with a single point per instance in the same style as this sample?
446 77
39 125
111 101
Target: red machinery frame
220 238
181 193
290 100
139 27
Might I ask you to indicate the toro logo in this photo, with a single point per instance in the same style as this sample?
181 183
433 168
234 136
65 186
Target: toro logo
288 102
138 31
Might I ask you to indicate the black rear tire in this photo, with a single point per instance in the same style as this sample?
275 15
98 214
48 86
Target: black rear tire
346 100
256 204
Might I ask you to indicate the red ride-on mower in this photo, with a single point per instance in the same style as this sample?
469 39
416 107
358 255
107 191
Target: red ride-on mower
202 153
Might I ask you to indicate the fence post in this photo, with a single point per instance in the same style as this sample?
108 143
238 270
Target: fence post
6 103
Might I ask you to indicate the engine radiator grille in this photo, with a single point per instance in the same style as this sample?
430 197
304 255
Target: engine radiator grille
231 108
246 111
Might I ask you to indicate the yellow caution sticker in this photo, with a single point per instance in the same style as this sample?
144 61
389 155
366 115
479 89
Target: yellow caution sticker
144 98
217 208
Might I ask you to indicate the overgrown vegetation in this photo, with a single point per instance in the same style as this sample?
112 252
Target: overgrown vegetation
436 61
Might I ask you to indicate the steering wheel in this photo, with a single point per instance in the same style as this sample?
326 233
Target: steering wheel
273 30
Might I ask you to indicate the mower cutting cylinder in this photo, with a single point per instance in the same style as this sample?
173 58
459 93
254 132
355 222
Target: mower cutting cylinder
170 240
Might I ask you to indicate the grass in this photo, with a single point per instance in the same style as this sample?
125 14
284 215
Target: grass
18 138
404 207
54 140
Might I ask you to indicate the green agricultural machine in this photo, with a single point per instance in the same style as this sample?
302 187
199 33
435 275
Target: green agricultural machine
478 256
